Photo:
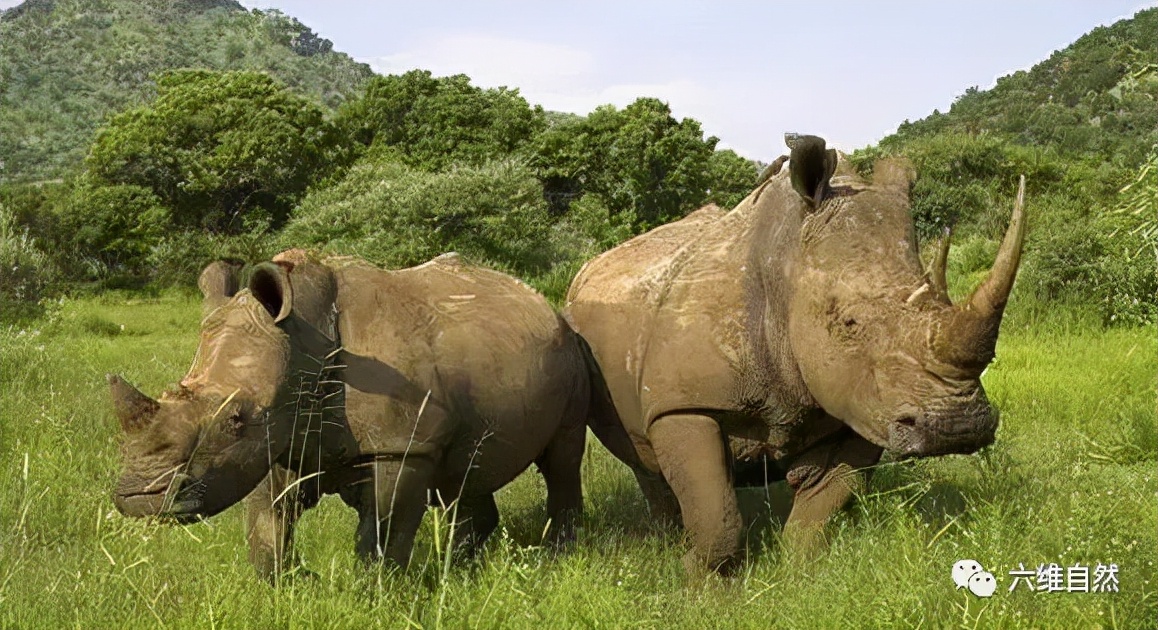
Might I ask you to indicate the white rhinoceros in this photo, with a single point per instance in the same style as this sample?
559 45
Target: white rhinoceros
383 386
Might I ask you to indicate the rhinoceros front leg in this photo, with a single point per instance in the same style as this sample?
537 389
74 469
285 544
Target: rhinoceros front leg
824 480
272 509
694 459
390 507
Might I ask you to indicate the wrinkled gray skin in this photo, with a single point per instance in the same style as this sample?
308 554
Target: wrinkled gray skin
799 328
390 388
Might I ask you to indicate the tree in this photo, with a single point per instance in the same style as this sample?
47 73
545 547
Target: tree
434 123
730 178
112 225
639 159
221 151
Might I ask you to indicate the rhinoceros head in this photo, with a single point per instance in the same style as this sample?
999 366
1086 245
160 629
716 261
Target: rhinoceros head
207 443
877 339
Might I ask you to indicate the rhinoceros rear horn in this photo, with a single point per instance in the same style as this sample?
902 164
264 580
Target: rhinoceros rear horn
970 334
270 284
133 408
810 166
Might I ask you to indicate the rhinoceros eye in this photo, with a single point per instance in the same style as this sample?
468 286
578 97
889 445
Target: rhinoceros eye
235 423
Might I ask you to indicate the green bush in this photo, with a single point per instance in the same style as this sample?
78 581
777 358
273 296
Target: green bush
638 159
25 270
177 259
595 227
958 175
730 178
435 123
1064 262
114 226
588 230
1131 285
1083 254
397 216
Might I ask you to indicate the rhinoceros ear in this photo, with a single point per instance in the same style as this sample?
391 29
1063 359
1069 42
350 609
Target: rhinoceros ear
270 284
219 282
810 166
134 409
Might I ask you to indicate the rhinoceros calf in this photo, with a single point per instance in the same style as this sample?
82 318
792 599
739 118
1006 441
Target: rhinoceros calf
382 386
800 328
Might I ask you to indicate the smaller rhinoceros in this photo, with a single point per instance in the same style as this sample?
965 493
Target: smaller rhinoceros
391 388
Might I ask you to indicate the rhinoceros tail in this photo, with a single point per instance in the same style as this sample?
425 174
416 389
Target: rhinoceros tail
602 417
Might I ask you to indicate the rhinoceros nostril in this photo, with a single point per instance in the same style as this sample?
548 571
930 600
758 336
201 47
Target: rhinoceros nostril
908 421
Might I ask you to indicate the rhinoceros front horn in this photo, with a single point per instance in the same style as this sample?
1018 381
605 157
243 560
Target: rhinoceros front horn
968 336
133 408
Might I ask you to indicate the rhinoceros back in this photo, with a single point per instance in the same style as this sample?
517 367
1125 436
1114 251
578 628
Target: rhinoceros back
498 364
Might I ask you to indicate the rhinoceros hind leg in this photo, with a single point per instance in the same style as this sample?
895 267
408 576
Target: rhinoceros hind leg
475 519
694 459
824 480
391 507
560 464
272 509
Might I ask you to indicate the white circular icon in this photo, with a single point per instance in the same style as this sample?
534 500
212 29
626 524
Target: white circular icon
963 569
982 584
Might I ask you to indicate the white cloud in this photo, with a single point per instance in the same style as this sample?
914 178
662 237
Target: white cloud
494 61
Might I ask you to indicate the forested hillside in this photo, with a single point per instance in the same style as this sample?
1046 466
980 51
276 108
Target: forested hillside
191 130
1083 127
67 65
140 140
1092 99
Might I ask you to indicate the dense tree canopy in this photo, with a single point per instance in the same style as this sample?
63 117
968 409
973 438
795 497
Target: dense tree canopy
310 151
219 149
637 160
397 215
436 122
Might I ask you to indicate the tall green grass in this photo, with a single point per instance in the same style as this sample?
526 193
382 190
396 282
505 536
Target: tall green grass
1071 478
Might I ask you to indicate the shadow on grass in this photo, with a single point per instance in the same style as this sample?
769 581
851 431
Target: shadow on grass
765 510
914 486
892 487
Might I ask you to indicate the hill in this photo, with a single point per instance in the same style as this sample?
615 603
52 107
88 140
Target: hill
1094 98
67 65
1083 127
170 186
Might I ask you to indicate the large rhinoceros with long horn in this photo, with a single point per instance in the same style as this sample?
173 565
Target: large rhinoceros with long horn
392 388
799 327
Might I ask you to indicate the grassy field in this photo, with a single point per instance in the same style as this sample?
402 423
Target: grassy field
1071 479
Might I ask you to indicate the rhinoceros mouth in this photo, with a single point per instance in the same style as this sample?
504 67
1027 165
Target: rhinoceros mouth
909 437
178 501
153 505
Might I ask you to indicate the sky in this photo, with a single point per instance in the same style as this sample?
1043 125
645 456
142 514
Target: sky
748 71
